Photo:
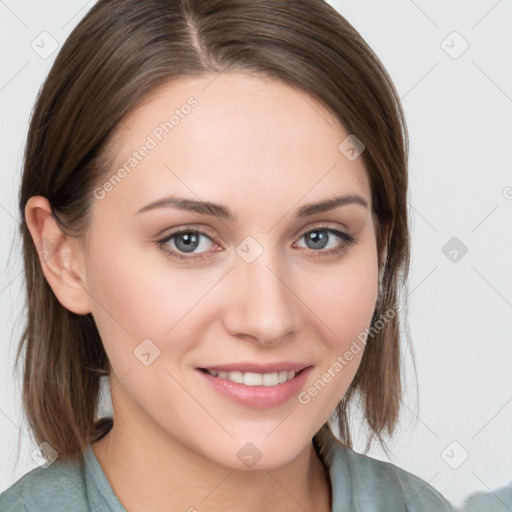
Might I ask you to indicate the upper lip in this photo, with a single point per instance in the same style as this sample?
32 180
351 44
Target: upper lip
258 367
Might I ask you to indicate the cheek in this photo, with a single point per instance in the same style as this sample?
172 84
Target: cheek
344 299
342 304
348 313
348 299
137 298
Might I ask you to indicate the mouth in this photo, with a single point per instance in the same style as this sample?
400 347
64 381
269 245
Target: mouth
255 389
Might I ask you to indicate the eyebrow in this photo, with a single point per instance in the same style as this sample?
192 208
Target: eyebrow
218 210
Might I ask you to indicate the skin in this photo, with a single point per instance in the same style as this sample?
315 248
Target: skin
263 150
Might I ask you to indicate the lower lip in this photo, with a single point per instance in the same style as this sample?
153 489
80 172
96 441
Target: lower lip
261 397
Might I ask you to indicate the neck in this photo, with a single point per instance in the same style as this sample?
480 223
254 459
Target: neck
151 473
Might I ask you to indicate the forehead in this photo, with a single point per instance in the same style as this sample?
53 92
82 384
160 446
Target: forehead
236 138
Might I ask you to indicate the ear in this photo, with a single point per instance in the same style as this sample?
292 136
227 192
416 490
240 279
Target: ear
61 256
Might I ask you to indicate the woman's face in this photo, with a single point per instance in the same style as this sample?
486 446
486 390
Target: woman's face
265 285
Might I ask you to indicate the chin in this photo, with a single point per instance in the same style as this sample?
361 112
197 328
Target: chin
261 452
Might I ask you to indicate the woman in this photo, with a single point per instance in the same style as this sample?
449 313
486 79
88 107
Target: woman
214 215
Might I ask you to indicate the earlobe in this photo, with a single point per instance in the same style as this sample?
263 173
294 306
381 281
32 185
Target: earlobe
60 256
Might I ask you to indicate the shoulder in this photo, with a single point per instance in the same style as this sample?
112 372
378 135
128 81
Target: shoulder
395 486
55 488
367 484
495 501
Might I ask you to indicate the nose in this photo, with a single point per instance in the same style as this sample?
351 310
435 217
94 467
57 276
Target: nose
262 305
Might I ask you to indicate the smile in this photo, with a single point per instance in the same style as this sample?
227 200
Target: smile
256 390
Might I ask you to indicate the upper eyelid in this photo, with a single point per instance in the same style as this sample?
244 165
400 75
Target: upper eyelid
204 232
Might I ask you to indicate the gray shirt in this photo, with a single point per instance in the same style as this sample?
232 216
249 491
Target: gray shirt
359 484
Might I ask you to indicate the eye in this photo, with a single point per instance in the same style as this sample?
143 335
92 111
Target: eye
184 241
320 237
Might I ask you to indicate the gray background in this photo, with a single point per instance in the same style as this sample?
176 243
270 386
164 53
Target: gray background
459 114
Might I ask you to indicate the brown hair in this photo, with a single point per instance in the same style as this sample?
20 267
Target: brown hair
119 53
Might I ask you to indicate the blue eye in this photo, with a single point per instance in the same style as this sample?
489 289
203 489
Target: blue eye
186 241
321 236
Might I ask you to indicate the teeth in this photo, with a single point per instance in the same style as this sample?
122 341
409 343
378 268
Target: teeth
255 379
283 376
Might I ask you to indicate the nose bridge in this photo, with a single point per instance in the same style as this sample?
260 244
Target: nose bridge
263 305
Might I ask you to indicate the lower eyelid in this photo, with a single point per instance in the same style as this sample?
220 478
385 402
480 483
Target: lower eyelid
345 238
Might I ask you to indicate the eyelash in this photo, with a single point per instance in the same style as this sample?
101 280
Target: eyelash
341 249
